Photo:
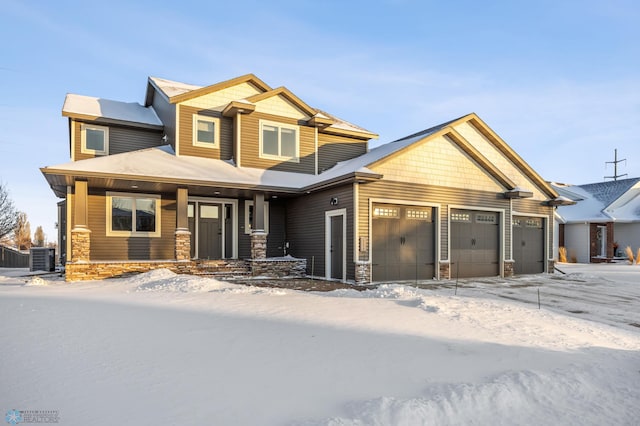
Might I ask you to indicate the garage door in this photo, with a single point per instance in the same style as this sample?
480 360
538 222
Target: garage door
403 243
475 244
528 245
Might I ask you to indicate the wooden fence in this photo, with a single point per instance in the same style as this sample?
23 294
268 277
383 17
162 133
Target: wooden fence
10 258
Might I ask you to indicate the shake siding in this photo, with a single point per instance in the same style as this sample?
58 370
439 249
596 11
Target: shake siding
121 139
130 248
332 149
225 147
250 145
498 159
167 114
430 194
306 227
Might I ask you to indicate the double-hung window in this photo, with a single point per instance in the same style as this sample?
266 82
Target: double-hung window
206 131
279 141
133 215
94 139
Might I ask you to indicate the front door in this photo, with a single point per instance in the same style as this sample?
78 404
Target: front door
335 243
209 232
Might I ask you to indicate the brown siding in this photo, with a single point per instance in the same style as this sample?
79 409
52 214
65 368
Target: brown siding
167 114
225 150
430 194
306 227
250 145
332 149
121 139
130 248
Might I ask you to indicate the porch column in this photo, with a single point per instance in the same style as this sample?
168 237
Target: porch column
80 233
182 234
258 234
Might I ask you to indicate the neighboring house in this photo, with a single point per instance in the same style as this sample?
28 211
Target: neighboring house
605 219
239 170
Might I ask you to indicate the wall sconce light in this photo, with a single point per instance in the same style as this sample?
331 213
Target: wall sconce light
334 201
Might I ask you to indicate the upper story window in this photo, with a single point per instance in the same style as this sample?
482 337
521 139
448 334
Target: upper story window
95 139
206 131
279 141
133 215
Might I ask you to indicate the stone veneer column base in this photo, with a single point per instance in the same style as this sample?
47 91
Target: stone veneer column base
80 245
508 268
363 272
183 245
258 244
445 270
551 264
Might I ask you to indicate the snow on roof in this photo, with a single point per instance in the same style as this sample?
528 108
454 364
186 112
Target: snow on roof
587 209
172 88
340 123
162 162
609 191
104 108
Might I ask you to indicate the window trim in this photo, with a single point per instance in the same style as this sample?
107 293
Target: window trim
216 131
109 204
247 224
83 139
279 125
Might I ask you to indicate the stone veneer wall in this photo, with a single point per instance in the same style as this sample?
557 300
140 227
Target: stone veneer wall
82 271
444 270
551 265
508 268
363 272
277 267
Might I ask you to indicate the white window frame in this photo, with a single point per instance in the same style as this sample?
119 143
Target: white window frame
83 138
247 223
111 233
295 159
216 131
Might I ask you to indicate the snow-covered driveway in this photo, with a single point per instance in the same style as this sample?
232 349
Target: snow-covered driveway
165 349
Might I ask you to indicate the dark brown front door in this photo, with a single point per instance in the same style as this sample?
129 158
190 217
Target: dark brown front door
337 249
209 232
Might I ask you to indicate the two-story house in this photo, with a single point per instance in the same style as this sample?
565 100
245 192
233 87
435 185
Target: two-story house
241 171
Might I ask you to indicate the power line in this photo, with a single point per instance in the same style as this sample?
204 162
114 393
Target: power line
615 166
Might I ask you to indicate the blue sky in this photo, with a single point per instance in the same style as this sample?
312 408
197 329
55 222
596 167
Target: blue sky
558 80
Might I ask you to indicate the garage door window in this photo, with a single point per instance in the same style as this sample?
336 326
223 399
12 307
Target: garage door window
485 218
386 212
534 223
460 217
419 214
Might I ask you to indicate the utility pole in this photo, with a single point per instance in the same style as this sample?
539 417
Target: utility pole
615 166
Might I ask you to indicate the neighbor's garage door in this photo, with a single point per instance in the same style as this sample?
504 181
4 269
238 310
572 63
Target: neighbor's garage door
403 243
528 245
475 247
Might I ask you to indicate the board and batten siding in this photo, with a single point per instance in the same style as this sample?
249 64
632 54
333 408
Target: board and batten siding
444 196
224 151
250 145
121 139
130 248
306 227
333 149
525 206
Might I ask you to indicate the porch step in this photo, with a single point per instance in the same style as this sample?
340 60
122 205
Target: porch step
223 269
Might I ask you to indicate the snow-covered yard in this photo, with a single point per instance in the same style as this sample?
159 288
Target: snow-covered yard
164 349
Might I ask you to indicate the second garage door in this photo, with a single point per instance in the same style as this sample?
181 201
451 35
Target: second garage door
403 240
528 245
475 244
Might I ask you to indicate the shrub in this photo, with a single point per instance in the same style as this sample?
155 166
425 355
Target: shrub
563 254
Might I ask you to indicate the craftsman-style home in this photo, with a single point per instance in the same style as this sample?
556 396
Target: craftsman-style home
241 175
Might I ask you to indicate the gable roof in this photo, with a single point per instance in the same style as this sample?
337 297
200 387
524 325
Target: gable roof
176 92
99 109
390 150
617 201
